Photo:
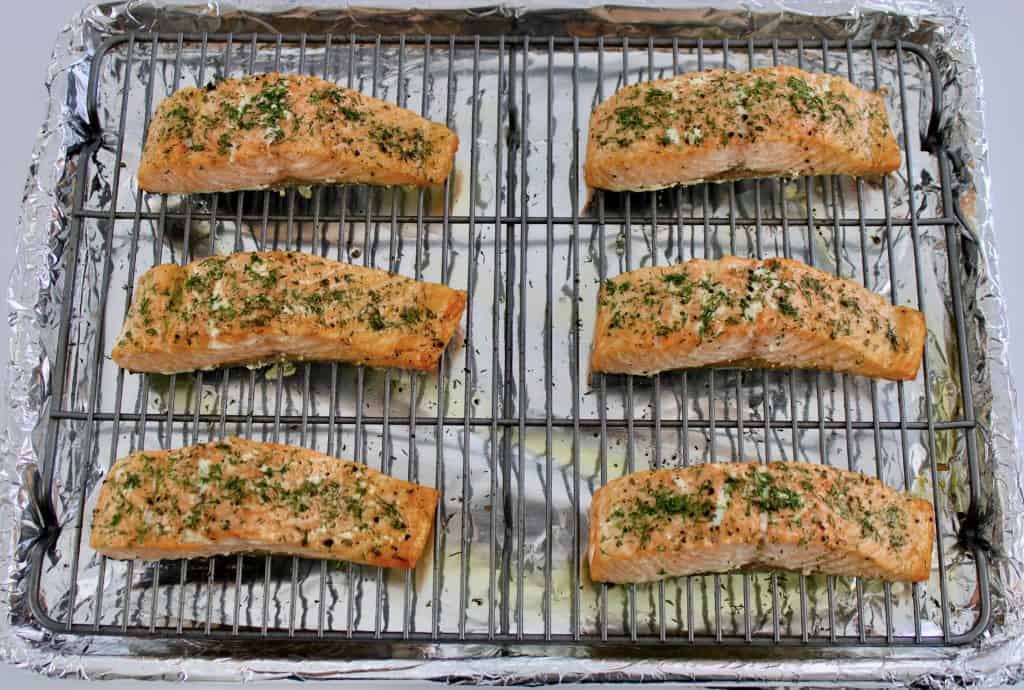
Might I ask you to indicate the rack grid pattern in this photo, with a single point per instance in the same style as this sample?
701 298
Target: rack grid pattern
519 240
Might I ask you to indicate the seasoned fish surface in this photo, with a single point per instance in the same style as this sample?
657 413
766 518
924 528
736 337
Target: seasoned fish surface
237 496
722 125
746 312
718 518
250 308
275 129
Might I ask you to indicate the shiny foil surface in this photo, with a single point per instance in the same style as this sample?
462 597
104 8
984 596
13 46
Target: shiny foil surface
514 430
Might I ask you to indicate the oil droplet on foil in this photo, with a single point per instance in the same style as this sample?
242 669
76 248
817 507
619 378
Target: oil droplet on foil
435 195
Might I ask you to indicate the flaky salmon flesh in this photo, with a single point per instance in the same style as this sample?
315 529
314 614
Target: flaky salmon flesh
238 496
751 313
272 130
723 517
723 125
257 307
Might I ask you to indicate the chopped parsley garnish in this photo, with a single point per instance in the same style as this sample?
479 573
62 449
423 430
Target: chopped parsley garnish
812 284
278 486
715 296
803 97
723 107
894 521
760 489
631 118
224 144
658 98
268 109
254 290
850 303
272 104
337 99
644 515
665 512
407 145
374 319
350 113
787 308
611 286
839 327
892 337
180 121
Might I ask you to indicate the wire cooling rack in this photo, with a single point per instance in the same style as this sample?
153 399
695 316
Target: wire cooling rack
512 429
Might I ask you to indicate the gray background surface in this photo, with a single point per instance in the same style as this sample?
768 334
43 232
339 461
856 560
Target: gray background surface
25 53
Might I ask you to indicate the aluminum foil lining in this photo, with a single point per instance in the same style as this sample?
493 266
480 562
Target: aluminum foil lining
35 300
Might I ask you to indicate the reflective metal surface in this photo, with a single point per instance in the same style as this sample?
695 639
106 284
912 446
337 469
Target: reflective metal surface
513 429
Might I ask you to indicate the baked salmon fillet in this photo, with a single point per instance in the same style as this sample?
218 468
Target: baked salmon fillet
273 130
723 125
253 308
750 313
722 517
238 496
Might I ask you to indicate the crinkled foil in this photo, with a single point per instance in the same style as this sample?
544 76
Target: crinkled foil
36 501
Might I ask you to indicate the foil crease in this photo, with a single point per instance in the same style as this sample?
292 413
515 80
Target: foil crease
36 301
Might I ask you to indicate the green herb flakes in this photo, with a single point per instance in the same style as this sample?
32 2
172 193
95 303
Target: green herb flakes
762 491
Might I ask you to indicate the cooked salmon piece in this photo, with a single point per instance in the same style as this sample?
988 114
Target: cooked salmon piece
272 130
257 307
750 313
722 517
237 496
723 125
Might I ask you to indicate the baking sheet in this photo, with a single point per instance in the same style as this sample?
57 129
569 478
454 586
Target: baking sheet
36 288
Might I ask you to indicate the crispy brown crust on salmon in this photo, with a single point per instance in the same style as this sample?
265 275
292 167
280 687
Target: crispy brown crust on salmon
249 308
717 518
752 313
237 496
271 130
723 125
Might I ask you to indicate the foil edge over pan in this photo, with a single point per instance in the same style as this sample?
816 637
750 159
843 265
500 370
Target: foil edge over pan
33 299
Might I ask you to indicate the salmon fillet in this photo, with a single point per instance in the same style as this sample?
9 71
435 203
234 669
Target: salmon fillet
751 313
718 518
252 308
237 496
722 125
275 129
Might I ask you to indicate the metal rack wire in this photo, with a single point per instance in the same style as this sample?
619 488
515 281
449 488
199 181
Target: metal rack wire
507 563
